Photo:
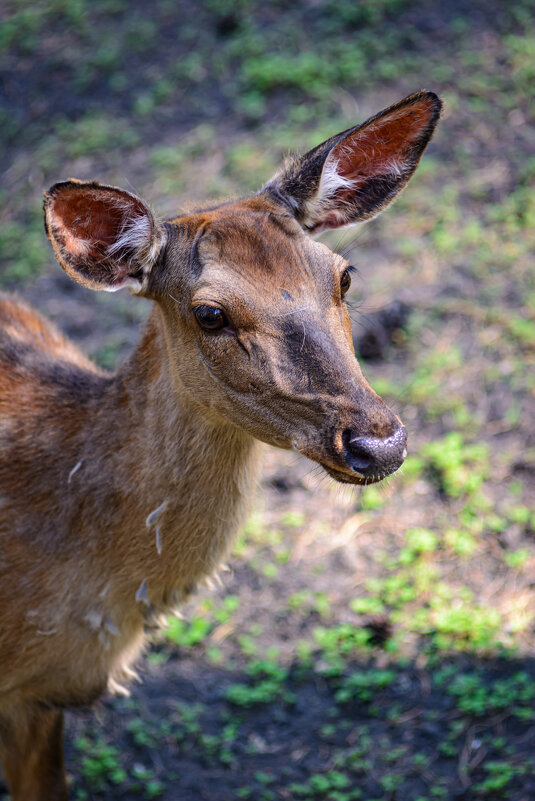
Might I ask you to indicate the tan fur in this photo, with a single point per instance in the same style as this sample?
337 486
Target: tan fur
119 493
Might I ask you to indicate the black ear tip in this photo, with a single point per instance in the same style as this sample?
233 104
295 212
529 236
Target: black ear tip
430 100
434 100
53 190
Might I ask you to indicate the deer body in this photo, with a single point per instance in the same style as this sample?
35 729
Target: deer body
119 493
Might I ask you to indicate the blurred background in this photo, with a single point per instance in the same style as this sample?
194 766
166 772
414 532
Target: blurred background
370 644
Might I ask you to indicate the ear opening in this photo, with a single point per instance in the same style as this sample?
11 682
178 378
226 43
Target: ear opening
354 175
103 237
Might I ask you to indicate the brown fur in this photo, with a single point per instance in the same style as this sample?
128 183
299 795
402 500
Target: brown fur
119 493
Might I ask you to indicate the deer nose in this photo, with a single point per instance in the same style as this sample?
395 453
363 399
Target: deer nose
375 456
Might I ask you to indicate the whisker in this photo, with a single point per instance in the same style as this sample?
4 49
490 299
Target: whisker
294 311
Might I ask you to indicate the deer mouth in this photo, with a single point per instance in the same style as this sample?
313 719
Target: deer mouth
358 479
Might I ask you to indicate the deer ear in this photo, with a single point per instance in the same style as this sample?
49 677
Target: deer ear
104 237
354 175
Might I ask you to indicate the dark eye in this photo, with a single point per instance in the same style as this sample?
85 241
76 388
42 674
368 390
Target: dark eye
345 281
210 318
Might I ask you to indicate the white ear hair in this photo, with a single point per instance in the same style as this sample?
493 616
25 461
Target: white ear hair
137 242
135 234
330 183
331 180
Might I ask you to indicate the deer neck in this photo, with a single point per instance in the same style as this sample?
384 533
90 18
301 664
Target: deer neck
190 474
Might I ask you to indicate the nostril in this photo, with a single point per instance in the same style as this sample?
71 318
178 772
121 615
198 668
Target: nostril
375 454
359 451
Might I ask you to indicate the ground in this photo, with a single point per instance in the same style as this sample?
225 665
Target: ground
372 644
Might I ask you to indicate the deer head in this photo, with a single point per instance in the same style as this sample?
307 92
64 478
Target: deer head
252 308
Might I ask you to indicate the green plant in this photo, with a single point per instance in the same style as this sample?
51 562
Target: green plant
100 763
479 697
364 685
458 468
187 634
266 685
499 775
334 785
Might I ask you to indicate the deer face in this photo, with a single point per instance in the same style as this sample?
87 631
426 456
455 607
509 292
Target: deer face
253 308
265 338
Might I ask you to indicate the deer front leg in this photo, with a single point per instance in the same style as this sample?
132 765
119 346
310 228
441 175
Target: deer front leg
31 747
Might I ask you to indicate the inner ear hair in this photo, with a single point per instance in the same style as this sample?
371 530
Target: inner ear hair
140 241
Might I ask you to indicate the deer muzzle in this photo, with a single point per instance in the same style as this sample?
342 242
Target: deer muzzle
375 457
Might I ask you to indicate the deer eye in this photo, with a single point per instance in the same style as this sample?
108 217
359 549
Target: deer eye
210 318
345 281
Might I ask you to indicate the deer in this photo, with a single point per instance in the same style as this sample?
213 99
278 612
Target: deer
120 492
